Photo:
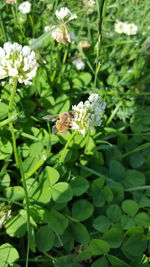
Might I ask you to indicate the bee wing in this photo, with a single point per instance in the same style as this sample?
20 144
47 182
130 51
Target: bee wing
50 117
54 130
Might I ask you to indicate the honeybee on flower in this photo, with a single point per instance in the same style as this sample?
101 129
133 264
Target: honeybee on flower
83 117
63 122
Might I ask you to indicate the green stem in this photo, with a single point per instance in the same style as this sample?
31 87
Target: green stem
106 178
32 24
12 118
145 187
17 25
64 152
27 208
100 8
49 256
39 42
2 28
4 168
14 16
65 55
10 109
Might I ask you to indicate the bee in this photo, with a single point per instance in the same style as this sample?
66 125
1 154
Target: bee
63 121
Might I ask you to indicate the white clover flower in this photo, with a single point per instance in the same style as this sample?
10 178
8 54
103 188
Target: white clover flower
124 27
49 7
84 44
89 5
60 34
88 115
119 26
17 61
79 63
130 29
65 13
25 7
10 2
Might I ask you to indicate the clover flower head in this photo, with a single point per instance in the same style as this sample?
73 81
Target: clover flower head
49 7
61 34
79 63
130 29
17 61
125 27
65 13
88 114
119 26
84 44
89 5
10 2
25 7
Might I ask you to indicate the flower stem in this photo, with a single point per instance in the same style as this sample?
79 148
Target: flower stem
14 16
4 38
10 109
32 24
63 154
12 118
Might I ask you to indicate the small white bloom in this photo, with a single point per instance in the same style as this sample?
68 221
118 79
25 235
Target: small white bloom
25 7
89 114
49 7
130 29
17 61
84 44
119 26
61 34
125 27
65 13
89 5
79 63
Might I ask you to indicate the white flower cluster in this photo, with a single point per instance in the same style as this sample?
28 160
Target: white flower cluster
17 61
89 5
124 27
25 7
79 63
88 115
65 13
60 32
